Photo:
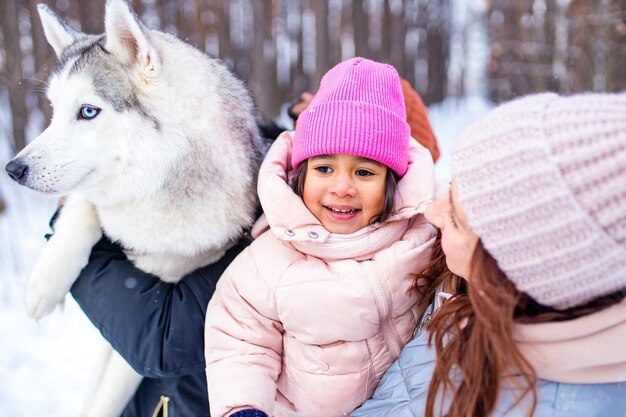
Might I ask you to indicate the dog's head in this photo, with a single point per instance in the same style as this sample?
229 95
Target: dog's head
97 90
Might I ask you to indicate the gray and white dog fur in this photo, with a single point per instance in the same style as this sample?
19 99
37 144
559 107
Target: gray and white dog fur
156 144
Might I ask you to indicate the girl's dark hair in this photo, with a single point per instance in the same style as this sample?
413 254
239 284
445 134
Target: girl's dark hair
472 333
391 187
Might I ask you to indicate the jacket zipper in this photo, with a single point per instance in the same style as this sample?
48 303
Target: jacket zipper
390 335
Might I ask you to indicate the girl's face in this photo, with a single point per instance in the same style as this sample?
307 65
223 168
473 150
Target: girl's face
458 240
344 192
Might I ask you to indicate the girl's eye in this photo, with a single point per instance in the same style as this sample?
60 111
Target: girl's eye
88 112
323 169
363 173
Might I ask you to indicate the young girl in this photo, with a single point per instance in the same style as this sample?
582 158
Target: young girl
308 318
535 225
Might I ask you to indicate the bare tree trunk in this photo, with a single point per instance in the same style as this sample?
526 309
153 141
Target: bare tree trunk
263 60
200 23
270 55
242 39
167 11
360 23
542 52
616 49
13 80
438 41
506 66
385 40
601 39
70 11
346 29
581 53
322 57
413 42
494 30
397 36
222 12
555 29
91 15
184 26
138 7
299 78
334 17
44 56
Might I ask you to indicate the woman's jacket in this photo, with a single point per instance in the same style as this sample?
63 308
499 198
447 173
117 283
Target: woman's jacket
581 364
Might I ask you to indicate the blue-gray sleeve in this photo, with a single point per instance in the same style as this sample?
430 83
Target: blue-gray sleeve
403 390
157 327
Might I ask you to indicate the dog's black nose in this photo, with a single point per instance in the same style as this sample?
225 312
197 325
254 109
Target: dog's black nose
16 169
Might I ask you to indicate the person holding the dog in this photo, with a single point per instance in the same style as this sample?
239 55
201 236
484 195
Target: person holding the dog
156 326
306 320
534 227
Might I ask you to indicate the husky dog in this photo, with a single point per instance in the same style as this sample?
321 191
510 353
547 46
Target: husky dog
155 143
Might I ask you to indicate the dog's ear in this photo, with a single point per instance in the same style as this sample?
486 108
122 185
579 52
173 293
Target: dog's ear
129 40
58 33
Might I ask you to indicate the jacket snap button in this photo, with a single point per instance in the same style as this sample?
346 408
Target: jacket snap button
289 232
313 235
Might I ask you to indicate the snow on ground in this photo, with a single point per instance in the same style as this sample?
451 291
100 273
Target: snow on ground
45 366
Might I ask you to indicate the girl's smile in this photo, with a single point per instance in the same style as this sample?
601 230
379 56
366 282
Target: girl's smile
342 213
344 192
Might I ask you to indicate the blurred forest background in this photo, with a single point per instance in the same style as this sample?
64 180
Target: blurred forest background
495 48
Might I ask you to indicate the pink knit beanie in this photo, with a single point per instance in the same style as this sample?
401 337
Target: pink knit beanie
542 180
358 110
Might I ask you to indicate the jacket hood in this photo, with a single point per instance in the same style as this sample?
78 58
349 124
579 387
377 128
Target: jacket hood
289 219
588 349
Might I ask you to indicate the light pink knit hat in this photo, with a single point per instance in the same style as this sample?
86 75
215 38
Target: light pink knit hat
542 180
358 110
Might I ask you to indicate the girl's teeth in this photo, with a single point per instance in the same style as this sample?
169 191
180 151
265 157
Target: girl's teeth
341 211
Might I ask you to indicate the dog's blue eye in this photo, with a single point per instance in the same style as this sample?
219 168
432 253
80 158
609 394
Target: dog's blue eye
88 112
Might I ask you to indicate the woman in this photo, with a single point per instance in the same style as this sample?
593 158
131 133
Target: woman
535 224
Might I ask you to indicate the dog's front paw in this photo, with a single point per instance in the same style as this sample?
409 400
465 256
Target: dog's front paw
63 257
57 268
46 287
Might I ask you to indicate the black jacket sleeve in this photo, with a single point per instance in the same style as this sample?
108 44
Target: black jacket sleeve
157 327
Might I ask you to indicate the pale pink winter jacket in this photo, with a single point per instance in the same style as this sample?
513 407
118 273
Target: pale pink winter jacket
305 322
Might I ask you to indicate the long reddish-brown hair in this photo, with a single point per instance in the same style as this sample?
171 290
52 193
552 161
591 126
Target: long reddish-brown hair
472 333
